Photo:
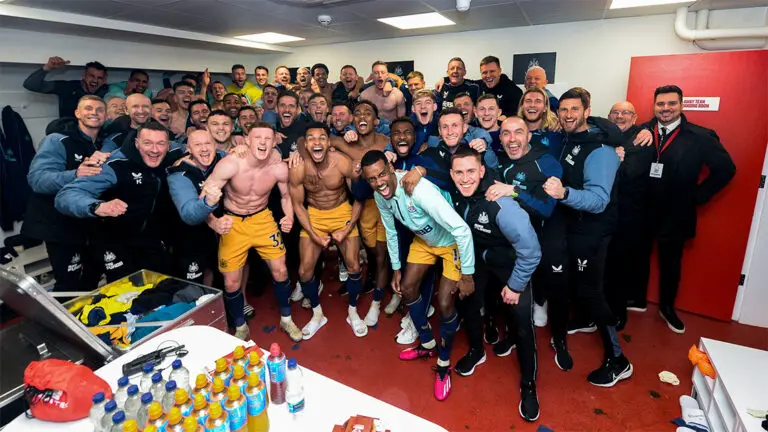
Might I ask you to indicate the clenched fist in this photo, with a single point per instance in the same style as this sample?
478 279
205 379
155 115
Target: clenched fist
221 225
554 188
55 63
212 195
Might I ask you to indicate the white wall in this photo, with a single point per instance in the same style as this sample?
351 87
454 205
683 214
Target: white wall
592 54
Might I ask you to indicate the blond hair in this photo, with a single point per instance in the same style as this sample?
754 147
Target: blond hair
550 118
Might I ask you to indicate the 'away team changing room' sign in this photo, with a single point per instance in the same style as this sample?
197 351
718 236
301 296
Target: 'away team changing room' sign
698 103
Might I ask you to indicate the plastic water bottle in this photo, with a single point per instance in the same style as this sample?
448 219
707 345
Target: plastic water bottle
106 421
219 392
122 392
202 386
146 377
239 357
239 379
276 366
223 371
256 365
158 387
175 420
180 374
190 425
156 417
183 402
200 410
143 415
256 399
118 419
294 393
237 409
130 425
169 398
97 411
217 419
133 403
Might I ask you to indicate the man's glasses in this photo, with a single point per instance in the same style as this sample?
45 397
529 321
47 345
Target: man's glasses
624 113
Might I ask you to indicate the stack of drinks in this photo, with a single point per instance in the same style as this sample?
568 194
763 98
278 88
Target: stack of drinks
235 400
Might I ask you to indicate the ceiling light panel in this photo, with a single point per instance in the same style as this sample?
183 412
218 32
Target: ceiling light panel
270 37
408 22
623 4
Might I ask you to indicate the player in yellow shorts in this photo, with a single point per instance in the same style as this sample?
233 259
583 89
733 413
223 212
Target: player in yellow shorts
422 253
248 223
322 178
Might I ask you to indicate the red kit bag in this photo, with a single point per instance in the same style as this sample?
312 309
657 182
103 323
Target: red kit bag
61 391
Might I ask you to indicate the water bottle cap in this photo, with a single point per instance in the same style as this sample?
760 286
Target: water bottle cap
130 426
218 384
239 372
181 396
200 401
118 417
110 406
150 428
214 411
146 398
190 423
148 367
123 381
221 365
176 364
170 385
98 397
292 364
155 410
157 377
253 379
239 352
201 381
174 416
234 392
133 389
274 349
255 356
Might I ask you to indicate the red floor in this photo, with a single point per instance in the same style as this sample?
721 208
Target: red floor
487 401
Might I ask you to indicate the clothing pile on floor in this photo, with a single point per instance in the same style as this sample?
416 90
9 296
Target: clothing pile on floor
121 305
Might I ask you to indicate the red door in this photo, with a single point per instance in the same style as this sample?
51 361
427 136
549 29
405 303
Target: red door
712 262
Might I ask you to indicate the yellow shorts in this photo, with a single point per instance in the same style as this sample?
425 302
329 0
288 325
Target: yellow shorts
371 225
325 222
258 231
422 253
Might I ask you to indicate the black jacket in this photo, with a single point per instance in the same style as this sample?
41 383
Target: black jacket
60 154
16 154
507 94
633 181
676 194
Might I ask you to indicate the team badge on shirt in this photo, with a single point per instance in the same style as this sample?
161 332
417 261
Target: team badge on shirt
409 205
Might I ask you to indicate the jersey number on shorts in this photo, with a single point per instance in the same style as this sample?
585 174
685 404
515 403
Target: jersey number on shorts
277 239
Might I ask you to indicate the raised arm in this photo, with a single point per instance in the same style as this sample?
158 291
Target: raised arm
75 198
223 172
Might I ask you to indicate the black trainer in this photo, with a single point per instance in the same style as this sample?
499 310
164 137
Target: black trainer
491 335
637 306
673 322
581 327
563 358
613 370
467 364
529 402
504 347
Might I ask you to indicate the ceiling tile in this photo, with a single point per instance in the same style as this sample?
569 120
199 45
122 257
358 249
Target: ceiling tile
389 8
102 9
553 11
505 15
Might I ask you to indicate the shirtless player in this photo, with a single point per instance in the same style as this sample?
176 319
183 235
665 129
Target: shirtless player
247 183
183 94
391 106
322 178
355 145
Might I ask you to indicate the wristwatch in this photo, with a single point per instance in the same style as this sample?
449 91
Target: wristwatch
565 195
92 208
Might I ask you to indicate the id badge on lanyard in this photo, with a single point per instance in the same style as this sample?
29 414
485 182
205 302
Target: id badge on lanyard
657 168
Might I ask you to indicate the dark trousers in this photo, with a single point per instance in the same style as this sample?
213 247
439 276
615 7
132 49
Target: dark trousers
550 281
587 253
627 268
519 316
74 266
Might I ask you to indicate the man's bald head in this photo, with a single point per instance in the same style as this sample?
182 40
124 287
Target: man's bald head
515 121
201 148
139 109
623 115
536 77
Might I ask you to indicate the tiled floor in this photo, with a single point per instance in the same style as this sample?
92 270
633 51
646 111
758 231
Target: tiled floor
487 401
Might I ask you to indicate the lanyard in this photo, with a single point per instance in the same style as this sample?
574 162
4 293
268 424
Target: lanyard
657 141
